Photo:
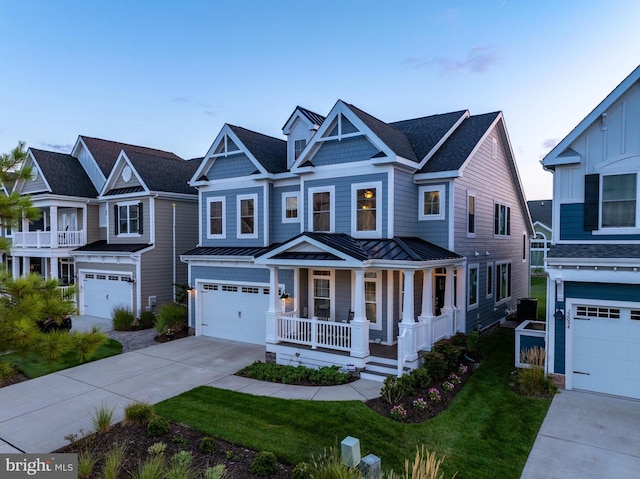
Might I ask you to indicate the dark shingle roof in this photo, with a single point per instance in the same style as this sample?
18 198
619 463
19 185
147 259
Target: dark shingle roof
540 211
64 174
392 137
164 174
460 144
425 133
269 151
586 251
103 247
106 152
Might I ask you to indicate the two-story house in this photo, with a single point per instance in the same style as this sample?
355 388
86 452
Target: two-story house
354 231
593 295
541 213
114 219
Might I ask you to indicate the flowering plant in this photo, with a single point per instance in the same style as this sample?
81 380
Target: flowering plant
454 378
420 404
398 413
448 386
462 369
434 395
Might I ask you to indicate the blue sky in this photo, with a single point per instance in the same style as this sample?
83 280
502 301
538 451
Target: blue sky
169 74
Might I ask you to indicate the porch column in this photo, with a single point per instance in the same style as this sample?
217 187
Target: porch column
461 299
15 267
53 221
408 325
53 271
448 308
427 294
26 264
274 306
359 324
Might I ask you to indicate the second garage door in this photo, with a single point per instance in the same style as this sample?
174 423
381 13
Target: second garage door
232 311
606 349
102 292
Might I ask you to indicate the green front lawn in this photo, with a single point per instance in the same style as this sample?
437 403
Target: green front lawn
539 291
33 365
487 431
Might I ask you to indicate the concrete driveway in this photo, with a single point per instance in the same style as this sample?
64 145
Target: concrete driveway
36 415
586 436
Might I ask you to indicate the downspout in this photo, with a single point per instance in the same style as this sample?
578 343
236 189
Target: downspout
173 205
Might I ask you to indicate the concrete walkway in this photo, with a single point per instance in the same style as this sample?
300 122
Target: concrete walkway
586 436
36 415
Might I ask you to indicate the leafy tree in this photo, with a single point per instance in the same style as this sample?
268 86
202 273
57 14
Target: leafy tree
26 301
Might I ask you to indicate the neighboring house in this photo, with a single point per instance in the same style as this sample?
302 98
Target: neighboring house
540 211
353 231
114 218
593 295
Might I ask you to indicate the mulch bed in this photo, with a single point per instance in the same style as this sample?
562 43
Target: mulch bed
179 438
15 378
433 408
164 338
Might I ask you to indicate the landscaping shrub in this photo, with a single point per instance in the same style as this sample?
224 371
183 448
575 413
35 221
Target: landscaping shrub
426 465
122 319
102 418
532 381
156 448
302 470
330 466
174 316
113 460
179 466
86 463
472 341
86 343
452 354
157 427
140 412
420 378
436 364
6 371
152 468
328 375
55 345
394 389
147 320
216 472
280 373
160 324
207 445
265 464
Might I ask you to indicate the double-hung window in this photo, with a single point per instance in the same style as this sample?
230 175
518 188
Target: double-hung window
322 209
619 200
290 207
217 218
503 281
501 220
366 212
431 202
247 216
128 218
471 215
473 286
298 147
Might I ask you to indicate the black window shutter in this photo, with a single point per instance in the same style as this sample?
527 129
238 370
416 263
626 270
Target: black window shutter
591 201
140 218
508 221
496 219
116 221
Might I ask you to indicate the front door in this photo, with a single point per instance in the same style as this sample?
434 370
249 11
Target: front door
441 282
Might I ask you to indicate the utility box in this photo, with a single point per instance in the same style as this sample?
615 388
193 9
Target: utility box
350 448
371 467
527 309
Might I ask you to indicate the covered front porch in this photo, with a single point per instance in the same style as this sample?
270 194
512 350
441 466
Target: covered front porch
341 304
58 227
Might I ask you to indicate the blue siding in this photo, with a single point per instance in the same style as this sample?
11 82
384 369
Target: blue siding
405 204
487 313
231 167
343 294
343 199
278 230
603 291
572 225
528 342
347 150
558 363
435 231
231 213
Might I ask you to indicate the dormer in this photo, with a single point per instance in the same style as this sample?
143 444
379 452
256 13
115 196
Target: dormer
299 128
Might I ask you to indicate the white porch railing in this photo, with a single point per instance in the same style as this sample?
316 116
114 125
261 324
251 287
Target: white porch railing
422 335
313 332
402 344
68 293
44 239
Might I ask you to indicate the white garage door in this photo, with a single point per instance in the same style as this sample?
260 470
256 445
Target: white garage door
606 350
232 311
102 292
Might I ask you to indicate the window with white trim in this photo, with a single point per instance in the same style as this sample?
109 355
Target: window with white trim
217 224
298 147
322 209
501 220
366 220
619 200
471 215
373 298
503 281
473 286
247 216
489 280
321 292
290 203
128 219
431 202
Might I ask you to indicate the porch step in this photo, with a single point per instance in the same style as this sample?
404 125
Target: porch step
379 370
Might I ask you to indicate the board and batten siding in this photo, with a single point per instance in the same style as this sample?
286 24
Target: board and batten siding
231 217
342 201
492 181
278 230
233 166
146 222
157 264
347 150
96 175
405 205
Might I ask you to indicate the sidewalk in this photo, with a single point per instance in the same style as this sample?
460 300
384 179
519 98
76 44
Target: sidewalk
37 414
